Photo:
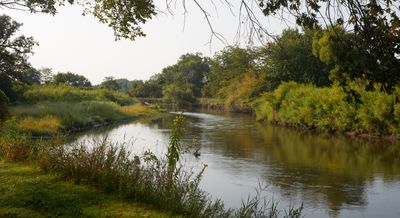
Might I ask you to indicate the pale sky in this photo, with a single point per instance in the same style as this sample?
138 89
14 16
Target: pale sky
80 44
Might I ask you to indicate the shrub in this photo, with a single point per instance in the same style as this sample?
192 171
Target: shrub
330 109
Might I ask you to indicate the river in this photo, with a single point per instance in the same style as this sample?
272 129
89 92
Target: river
332 175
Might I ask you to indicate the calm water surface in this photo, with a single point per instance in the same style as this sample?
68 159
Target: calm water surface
334 176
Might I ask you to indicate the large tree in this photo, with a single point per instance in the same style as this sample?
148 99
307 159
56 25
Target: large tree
72 79
124 16
290 58
14 52
373 33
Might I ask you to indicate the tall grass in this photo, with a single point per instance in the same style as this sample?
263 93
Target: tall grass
51 117
331 108
67 93
162 182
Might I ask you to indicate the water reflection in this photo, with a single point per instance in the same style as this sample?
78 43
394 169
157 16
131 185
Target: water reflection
332 175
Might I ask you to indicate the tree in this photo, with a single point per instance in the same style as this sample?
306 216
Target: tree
71 79
3 106
148 89
125 17
179 96
290 58
14 51
226 65
46 75
335 47
110 83
373 27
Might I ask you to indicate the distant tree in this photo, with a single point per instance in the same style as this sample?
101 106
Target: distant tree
228 64
148 89
31 76
3 106
46 75
71 79
14 51
110 83
179 96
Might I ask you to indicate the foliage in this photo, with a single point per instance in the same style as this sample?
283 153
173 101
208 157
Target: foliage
335 47
124 17
71 79
240 91
290 58
179 96
72 94
14 145
72 115
3 107
27 192
326 108
148 89
228 64
178 84
371 45
141 178
14 51
110 83
43 125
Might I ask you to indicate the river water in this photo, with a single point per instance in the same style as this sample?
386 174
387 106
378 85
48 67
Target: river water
333 176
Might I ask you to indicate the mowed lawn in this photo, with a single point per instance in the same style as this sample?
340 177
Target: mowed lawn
27 192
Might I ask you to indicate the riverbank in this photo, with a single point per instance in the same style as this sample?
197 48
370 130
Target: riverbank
27 192
52 118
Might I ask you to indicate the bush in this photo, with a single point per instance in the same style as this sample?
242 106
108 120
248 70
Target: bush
330 109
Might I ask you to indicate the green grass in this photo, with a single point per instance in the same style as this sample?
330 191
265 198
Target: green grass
68 93
27 192
47 118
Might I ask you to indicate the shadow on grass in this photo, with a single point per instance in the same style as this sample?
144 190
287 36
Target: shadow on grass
26 192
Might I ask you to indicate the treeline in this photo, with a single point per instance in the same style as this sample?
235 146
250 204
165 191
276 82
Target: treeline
314 79
238 75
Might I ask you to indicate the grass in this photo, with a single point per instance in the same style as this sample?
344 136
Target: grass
44 125
27 192
49 118
67 93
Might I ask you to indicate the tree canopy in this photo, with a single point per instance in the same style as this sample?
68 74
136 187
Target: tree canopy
124 17
71 79
14 51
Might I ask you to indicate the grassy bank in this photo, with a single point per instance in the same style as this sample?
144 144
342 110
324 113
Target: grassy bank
48 118
27 192
67 93
332 109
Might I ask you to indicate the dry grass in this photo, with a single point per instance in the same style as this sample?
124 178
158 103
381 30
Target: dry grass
43 125
136 109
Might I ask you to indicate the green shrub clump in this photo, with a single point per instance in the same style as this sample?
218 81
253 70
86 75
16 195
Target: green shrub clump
332 108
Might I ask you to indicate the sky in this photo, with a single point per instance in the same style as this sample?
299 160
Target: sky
80 44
